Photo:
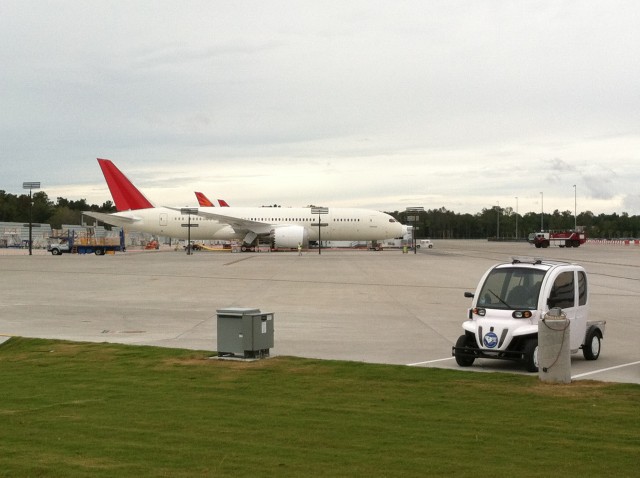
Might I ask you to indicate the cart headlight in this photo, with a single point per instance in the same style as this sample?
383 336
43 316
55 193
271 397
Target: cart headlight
480 312
521 314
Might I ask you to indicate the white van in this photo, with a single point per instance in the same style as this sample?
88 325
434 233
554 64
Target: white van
424 243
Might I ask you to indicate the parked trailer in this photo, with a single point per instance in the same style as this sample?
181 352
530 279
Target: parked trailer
86 243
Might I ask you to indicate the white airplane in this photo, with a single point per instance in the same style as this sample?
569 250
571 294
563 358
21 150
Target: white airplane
286 227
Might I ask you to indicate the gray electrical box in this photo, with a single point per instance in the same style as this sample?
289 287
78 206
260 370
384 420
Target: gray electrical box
244 332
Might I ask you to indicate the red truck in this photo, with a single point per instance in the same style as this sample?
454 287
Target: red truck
558 238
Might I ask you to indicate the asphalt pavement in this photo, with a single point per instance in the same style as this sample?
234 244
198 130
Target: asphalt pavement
378 307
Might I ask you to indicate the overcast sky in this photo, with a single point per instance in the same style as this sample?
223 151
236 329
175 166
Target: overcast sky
381 104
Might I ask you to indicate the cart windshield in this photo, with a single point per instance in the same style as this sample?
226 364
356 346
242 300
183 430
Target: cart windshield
511 288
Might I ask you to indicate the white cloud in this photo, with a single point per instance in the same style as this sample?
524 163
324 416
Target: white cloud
380 104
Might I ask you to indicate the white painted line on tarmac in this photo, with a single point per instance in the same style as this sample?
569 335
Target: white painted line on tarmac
428 362
605 369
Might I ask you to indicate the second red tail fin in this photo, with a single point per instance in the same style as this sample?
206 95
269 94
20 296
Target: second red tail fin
203 200
124 193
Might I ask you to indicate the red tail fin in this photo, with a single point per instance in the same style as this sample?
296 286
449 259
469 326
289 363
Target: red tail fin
222 203
204 200
124 193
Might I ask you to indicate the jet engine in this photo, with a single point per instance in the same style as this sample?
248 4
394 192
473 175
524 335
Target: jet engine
288 237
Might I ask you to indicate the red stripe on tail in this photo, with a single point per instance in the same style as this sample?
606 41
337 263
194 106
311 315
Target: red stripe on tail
124 193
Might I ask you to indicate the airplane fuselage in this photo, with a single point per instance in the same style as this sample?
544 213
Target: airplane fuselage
339 224
285 227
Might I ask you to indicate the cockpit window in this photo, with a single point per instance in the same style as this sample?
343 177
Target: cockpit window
392 220
512 288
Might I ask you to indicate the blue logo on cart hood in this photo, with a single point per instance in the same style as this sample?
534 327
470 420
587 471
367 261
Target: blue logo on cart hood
490 340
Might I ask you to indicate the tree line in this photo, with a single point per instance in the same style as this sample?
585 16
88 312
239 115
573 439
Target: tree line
440 223
15 208
505 224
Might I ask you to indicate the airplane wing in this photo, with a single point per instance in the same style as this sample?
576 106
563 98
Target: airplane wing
238 224
113 219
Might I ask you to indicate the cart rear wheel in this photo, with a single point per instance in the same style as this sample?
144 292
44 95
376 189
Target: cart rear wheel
591 348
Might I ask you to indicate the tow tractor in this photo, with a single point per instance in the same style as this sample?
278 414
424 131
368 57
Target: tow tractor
510 299
75 242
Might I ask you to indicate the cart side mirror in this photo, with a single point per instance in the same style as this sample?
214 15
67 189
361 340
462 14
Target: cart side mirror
469 295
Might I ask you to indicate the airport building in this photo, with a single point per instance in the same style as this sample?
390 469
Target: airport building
16 234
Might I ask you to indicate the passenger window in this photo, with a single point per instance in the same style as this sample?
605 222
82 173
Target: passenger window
582 288
563 291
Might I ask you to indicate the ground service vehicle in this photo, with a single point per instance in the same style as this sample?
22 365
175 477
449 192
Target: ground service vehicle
511 298
424 243
557 238
75 242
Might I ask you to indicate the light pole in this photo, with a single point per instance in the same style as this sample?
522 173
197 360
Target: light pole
319 211
415 217
188 211
516 218
30 185
541 211
575 208
498 227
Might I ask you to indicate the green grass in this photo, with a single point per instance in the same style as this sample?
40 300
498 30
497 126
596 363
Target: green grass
76 409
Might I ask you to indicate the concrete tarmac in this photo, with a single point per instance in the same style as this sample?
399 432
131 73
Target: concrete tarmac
377 307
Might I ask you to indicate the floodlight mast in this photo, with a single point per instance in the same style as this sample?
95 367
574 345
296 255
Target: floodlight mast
541 211
575 208
30 185
188 211
319 211
516 218
415 210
